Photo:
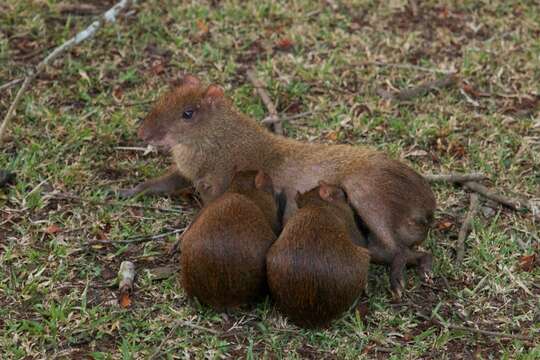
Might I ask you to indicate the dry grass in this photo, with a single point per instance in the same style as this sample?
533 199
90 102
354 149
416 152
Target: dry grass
56 298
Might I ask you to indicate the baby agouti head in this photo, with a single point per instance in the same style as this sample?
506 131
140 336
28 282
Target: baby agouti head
322 195
183 113
258 187
327 195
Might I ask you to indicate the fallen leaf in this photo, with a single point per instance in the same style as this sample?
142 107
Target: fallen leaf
125 300
118 94
284 44
528 262
444 225
53 229
158 67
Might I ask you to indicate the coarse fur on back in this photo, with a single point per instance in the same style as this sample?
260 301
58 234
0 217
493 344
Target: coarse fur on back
315 271
223 251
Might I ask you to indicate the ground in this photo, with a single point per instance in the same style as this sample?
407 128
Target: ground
62 233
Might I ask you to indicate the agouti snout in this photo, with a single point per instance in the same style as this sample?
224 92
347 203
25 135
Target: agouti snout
223 253
315 271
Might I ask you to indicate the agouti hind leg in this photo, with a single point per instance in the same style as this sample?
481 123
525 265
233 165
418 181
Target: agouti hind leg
404 257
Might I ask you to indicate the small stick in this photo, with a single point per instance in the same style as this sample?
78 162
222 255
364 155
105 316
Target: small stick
474 330
275 120
126 277
114 203
466 227
513 203
455 177
424 88
407 66
271 120
109 16
138 239
10 84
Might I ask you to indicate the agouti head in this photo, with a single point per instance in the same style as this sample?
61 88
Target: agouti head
183 113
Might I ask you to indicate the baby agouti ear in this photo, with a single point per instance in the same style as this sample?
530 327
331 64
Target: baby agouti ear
330 193
263 181
213 93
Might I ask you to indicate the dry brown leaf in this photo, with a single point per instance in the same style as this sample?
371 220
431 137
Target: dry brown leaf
528 262
52 229
284 44
125 300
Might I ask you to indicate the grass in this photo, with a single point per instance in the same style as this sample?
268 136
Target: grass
56 293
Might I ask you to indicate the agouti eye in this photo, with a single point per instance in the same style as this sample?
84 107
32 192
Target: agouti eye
187 114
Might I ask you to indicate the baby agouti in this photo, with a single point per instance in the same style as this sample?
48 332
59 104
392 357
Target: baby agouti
315 271
209 138
223 252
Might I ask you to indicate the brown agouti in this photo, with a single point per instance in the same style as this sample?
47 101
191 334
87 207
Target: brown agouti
223 252
208 138
315 270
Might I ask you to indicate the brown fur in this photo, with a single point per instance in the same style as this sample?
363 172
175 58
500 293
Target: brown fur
315 271
395 203
223 252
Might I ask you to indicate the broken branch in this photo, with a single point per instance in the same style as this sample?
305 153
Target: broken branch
108 17
10 84
455 177
513 203
424 88
273 118
466 227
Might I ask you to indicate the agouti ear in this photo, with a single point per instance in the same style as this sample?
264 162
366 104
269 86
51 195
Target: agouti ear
213 93
263 181
330 193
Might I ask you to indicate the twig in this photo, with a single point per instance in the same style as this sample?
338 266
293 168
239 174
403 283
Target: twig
474 330
513 203
177 324
126 277
407 66
455 177
114 203
109 16
414 7
275 120
10 84
410 93
138 239
466 227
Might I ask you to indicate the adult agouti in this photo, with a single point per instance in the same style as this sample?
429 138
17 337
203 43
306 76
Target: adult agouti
209 138
223 252
315 270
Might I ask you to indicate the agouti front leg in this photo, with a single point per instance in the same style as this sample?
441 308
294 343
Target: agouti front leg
169 183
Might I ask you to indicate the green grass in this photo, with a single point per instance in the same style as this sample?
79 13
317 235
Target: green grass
57 297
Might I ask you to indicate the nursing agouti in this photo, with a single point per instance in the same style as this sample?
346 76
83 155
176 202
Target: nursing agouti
223 252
